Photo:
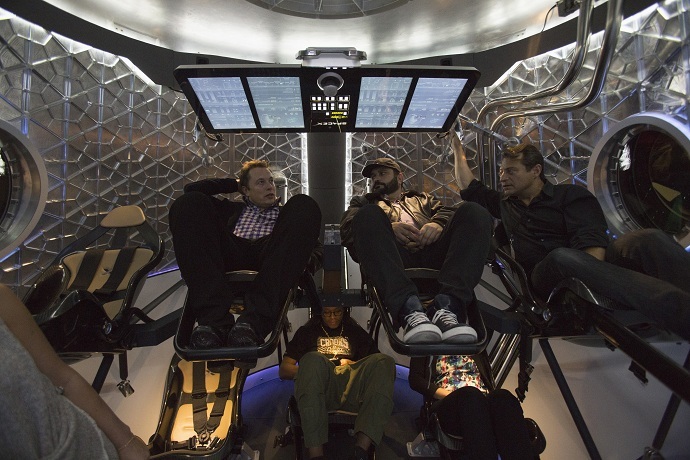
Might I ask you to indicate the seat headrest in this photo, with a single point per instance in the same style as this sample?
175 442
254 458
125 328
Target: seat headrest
124 216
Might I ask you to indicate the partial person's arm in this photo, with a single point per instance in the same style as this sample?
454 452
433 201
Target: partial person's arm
585 222
76 389
463 173
288 368
213 186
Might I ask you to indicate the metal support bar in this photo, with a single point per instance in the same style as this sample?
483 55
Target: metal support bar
658 364
102 372
158 300
569 400
669 415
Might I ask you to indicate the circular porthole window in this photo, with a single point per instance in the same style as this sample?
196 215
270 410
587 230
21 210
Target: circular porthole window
640 172
23 188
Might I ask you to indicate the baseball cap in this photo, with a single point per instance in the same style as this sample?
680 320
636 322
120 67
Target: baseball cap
387 162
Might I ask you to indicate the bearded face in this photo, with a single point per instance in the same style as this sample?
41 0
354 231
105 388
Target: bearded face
385 181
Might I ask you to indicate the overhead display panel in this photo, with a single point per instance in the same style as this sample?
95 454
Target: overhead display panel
293 98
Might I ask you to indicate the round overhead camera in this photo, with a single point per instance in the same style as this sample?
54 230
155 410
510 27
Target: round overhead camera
330 83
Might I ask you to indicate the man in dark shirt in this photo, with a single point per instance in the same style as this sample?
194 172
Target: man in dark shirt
212 237
388 230
336 366
559 231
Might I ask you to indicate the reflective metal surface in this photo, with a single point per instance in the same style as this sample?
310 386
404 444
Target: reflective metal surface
640 172
240 29
26 186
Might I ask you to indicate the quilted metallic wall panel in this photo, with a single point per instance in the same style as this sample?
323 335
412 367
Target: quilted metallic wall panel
649 73
109 137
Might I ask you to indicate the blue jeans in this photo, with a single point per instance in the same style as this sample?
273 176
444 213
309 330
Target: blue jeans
645 270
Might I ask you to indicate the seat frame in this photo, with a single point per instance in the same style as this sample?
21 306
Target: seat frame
55 304
591 316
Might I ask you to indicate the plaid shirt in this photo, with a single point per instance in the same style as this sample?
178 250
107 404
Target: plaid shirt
256 222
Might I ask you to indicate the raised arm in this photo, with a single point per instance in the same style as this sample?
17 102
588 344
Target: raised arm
463 173
76 389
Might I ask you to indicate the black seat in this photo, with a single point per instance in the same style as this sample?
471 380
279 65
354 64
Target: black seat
338 421
425 279
84 300
200 413
432 441
575 313
240 280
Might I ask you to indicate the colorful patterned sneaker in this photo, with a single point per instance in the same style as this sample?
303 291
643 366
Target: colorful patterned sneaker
418 329
452 331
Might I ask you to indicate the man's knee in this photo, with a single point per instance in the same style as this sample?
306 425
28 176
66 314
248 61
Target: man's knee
304 207
315 365
565 259
639 241
366 216
383 366
470 213
187 202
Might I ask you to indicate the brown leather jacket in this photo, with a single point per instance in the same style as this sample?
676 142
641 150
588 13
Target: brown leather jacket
423 208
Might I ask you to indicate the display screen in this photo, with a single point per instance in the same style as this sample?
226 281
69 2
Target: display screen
432 102
292 98
224 102
278 101
381 101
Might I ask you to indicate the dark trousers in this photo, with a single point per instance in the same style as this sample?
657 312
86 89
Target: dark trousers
645 270
490 425
460 254
206 249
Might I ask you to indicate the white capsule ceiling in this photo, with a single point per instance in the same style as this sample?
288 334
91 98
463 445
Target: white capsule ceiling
274 30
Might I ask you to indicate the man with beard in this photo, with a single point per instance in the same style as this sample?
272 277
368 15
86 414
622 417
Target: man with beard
389 230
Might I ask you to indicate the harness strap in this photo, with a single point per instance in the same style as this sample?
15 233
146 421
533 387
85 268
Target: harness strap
199 400
120 269
222 393
87 269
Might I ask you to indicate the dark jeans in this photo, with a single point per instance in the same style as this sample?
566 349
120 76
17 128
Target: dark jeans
490 425
645 270
460 254
206 249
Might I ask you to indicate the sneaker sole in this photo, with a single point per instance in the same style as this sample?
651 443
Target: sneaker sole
461 334
423 334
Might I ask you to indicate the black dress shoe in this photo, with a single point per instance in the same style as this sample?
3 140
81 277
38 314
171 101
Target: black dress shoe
242 335
204 337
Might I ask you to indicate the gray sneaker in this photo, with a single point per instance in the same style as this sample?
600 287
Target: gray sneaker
418 329
453 331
